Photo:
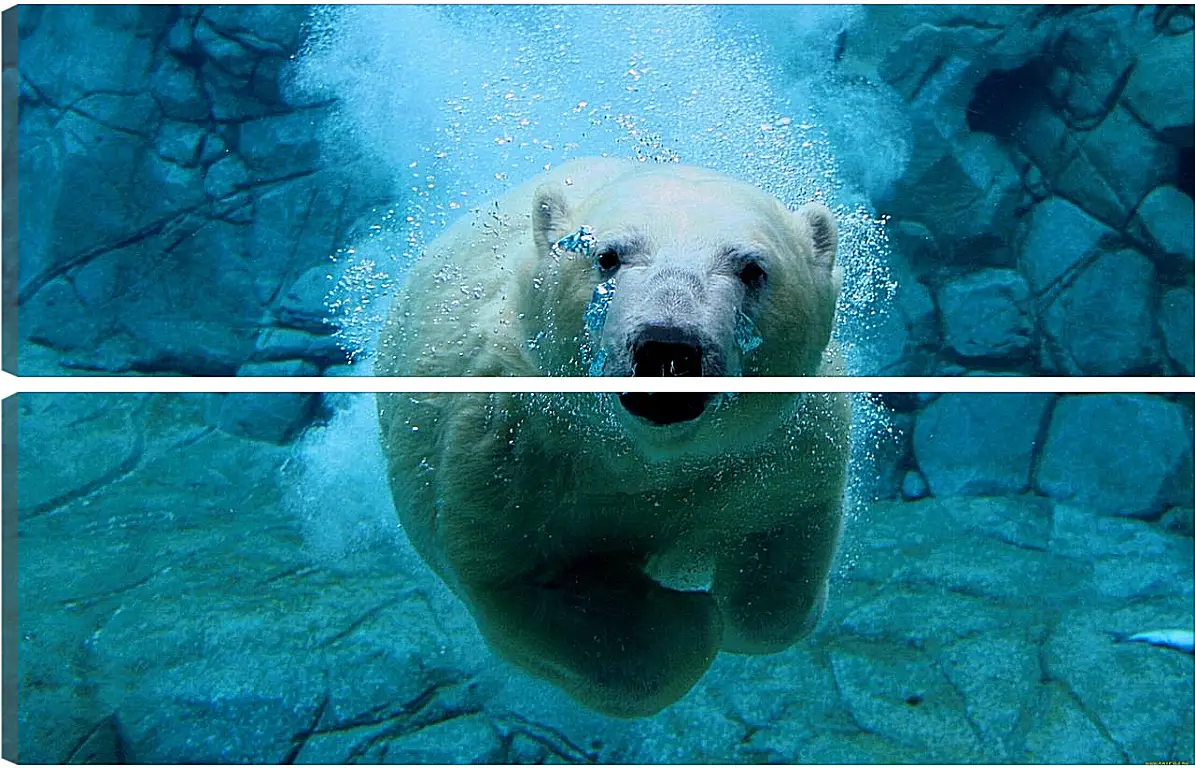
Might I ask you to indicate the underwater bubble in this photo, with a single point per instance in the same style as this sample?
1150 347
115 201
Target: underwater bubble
871 427
329 460
599 306
692 84
351 307
582 241
595 321
746 335
598 366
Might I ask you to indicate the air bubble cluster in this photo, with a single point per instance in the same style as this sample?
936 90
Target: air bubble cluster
691 84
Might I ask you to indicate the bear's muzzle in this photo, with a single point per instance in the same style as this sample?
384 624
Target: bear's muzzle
668 350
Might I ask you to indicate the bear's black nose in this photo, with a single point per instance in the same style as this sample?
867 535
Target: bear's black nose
662 350
666 350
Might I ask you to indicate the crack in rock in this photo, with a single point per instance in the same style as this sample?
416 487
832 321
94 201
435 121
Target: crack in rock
156 227
360 620
551 739
117 473
300 739
93 600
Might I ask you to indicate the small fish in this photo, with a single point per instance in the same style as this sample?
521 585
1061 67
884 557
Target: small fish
1178 639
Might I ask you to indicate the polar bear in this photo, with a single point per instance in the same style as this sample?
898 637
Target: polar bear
614 544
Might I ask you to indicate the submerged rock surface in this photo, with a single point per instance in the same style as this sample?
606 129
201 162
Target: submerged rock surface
174 609
180 197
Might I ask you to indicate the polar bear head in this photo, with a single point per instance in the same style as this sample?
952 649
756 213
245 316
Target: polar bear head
678 271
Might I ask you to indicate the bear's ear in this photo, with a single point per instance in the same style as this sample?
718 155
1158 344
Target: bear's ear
819 222
551 218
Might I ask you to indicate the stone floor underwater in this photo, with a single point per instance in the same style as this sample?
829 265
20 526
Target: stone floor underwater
170 611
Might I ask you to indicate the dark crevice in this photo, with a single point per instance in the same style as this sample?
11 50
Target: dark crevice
294 262
840 695
74 751
297 572
551 739
157 227
126 466
1004 98
926 77
78 260
299 740
38 92
360 620
1186 171
411 718
94 600
1054 289
191 439
1039 448
916 700
256 46
1003 539
1093 718
182 366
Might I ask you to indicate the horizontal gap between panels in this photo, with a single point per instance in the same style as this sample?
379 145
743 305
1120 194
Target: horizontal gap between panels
137 384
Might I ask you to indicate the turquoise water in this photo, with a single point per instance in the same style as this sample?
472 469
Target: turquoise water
222 578
190 594
701 85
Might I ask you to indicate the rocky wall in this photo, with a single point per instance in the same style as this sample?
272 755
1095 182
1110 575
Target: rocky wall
175 203
1122 455
1044 224
172 200
177 213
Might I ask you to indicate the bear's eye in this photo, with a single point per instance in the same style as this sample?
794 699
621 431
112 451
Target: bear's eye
609 260
753 274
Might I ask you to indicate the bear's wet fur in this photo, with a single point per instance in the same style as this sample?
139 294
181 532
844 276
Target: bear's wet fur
609 545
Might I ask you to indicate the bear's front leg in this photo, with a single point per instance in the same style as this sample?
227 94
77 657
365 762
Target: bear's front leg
603 631
771 587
